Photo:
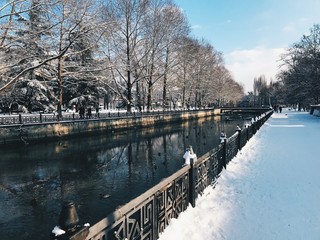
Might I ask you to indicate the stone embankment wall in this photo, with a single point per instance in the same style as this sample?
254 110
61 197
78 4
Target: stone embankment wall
38 132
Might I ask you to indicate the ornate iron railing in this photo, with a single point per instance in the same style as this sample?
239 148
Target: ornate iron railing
149 214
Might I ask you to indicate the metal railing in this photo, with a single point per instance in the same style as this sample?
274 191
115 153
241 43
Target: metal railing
49 118
149 214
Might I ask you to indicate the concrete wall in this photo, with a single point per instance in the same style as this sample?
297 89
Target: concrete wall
26 133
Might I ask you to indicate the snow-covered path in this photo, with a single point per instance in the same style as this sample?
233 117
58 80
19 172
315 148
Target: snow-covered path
270 190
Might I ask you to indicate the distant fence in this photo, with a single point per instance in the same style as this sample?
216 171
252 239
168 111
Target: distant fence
31 128
146 216
49 118
233 110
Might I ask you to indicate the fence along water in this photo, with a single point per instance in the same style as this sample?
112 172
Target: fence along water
148 215
17 129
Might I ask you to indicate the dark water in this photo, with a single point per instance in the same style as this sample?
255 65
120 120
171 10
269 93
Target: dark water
35 179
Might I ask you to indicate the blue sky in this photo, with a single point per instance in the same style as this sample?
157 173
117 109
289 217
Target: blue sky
252 34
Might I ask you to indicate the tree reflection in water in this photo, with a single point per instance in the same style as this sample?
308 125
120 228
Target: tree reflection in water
99 173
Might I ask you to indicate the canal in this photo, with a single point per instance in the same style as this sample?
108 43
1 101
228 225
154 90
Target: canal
99 173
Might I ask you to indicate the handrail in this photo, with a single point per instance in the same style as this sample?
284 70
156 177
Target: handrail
148 215
123 210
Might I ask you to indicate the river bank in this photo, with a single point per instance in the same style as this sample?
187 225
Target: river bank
36 178
38 131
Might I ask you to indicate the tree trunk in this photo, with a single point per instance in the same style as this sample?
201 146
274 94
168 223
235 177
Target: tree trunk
149 103
60 64
164 93
184 88
129 94
138 97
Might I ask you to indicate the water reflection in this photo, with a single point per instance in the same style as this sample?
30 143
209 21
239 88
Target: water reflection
98 173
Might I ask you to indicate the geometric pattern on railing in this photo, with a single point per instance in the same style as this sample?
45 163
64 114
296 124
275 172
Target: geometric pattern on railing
232 147
140 222
137 224
216 163
202 176
243 137
171 201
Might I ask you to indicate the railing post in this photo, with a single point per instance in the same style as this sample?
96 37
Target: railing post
192 183
224 153
40 117
68 224
239 139
20 118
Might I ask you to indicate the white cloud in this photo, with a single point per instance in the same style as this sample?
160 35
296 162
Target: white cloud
297 26
196 26
224 23
289 29
245 65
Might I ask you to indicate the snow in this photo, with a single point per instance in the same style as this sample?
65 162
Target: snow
270 190
188 155
58 231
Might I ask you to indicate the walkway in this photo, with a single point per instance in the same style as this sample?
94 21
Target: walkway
270 190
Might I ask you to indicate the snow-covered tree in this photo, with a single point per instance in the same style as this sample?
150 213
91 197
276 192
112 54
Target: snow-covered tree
301 70
21 52
122 43
49 41
135 52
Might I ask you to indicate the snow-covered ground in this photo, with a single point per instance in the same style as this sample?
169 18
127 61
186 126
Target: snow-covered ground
270 190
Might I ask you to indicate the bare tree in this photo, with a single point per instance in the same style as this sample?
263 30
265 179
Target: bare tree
123 40
151 48
301 73
222 80
201 74
183 78
176 28
259 88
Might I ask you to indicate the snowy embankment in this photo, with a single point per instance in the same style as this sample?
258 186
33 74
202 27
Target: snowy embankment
270 190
